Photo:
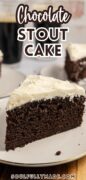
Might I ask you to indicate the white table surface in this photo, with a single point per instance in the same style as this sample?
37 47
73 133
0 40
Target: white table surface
34 65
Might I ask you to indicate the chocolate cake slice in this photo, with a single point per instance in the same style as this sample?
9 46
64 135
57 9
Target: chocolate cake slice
41 107
75 63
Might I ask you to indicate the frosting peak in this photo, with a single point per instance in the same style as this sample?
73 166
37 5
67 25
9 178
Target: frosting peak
37 87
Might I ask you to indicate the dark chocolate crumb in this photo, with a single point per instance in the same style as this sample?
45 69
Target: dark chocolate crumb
29 120
58 153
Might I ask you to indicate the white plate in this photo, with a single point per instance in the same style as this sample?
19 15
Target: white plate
9 80
72 145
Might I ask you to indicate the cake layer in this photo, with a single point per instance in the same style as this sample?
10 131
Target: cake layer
76 51
39 119
36 88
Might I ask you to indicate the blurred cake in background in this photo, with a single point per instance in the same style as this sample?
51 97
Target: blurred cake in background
75 63
1 59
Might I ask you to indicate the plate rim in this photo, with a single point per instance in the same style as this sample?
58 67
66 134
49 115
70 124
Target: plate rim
43 164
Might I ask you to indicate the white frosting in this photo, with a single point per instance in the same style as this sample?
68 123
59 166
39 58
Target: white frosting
1 56
40 87
76 51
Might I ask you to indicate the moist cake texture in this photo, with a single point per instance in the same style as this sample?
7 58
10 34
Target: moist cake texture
75 63
41 107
